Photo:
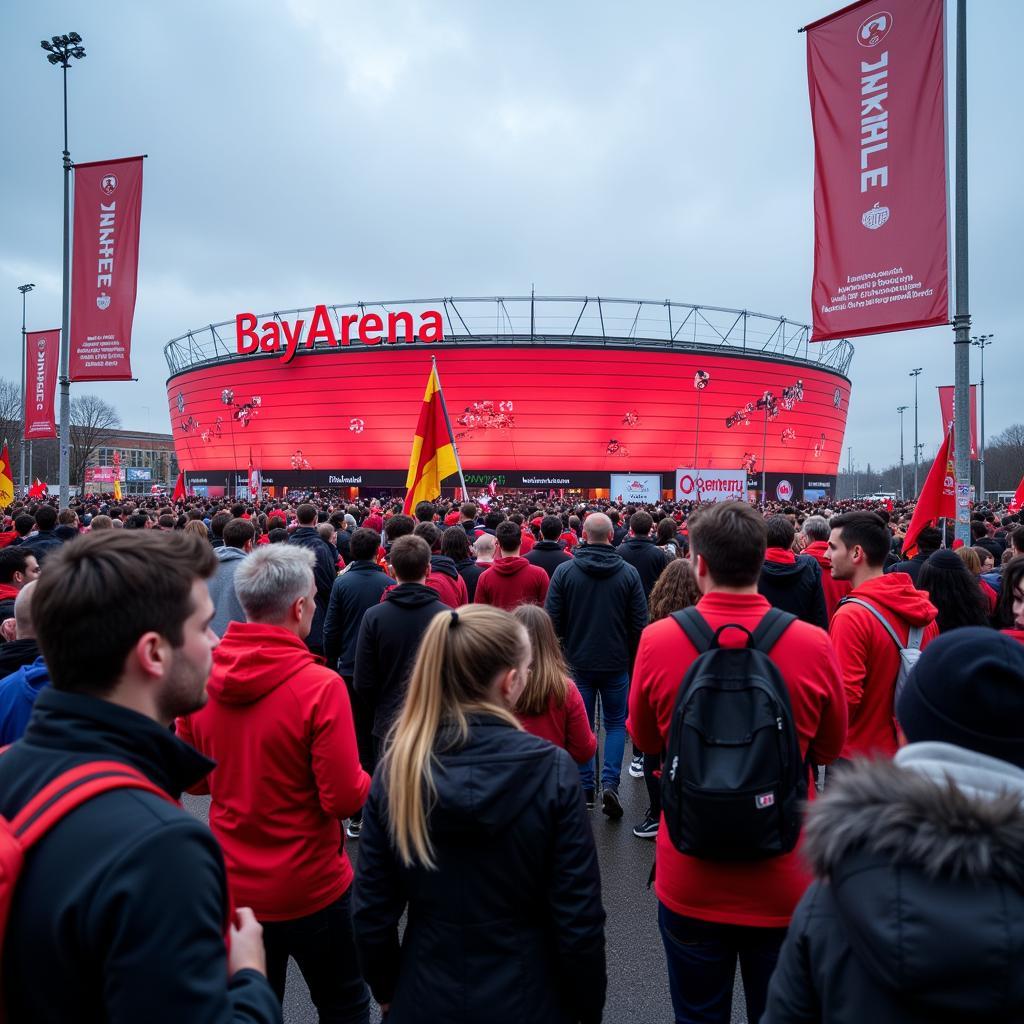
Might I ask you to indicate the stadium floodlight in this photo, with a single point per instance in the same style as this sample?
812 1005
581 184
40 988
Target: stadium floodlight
74 37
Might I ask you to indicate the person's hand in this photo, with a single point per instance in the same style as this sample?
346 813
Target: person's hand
7 631
247 950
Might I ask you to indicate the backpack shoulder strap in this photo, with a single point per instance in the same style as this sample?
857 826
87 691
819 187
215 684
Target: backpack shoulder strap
73 788
878 615
696 628
915 638
770 629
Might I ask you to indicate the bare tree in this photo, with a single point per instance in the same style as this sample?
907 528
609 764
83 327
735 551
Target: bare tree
92 420
10 415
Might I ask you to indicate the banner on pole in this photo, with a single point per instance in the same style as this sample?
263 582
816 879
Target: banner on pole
104 275
42 353
947 405
877 89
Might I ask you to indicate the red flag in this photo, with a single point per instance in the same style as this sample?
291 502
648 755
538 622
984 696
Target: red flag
254 480
179 488
876 79
1018 499
947 406
937 499
38 489
42 352
104 276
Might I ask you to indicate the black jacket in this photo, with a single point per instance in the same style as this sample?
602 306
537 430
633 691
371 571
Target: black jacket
918 916
911 567
510 927
119 912
548 554
386 649
470 571
355 591
795 587
646 557
324 573
598 607
40 544
17 653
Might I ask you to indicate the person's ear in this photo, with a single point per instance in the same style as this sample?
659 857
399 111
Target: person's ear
152 654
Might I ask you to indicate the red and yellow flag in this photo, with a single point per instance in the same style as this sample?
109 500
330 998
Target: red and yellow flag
937 499
6 478
433 449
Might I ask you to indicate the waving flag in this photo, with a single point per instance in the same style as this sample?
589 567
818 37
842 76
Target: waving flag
179 489
38 489
433 448
937 499
1018 498
6 478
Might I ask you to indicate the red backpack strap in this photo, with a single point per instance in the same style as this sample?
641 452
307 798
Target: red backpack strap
73 788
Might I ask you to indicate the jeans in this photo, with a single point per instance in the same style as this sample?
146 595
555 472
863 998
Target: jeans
701 959
614 689
323 945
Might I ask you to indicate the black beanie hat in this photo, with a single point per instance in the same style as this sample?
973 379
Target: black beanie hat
967 688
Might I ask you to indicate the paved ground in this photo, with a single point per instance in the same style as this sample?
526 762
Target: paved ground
637 985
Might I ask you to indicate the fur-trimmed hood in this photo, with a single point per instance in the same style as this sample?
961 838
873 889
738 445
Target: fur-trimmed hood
924 859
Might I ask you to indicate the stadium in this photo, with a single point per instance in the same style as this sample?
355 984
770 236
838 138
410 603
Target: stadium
597 396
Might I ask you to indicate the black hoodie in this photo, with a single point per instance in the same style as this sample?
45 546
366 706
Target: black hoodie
470 571
388 640
646 557
548 554
509 928
793 584
17 653
597 604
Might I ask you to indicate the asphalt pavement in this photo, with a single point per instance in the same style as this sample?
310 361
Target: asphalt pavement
637 982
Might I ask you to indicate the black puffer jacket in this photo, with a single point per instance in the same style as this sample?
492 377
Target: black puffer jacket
794 585
509 928
919 914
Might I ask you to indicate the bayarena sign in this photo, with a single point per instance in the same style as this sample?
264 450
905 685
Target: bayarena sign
606 396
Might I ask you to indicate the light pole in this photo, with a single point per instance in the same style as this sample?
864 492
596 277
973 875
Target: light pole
849 469
60 50
982 341
915 373
903 491
24 289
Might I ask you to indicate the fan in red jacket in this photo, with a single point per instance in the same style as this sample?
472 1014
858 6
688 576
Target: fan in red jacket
511 579
279 725
443 576
868 655
816 530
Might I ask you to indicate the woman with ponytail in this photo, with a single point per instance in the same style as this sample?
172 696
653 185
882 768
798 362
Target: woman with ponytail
477 829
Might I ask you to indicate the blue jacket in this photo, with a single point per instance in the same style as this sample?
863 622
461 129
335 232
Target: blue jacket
18 693
355 591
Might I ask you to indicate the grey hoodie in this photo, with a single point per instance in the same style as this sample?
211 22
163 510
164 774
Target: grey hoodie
222 590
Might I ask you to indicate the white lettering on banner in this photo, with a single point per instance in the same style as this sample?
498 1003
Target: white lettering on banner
711 484
40 379
332 479
874 121
105 263
548 481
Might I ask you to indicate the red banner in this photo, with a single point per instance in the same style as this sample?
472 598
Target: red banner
42 353
108 205
947 406
881 250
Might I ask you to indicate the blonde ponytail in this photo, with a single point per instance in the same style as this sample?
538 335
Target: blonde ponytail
461 654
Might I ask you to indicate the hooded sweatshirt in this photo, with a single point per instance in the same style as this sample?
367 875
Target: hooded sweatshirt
470 571
226 606
834 590
445 579
918 914
389 638
279 726
870 661
793 583
17 653
18 693
646 557
510 582
549 555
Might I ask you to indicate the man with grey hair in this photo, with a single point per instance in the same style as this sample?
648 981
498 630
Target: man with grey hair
279 725
598 606
816 531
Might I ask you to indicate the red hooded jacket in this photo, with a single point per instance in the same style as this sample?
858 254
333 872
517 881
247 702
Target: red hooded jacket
511 582
566 726
280 727
760 894
870 660
835 590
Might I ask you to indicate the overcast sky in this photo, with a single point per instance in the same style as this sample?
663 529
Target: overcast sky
325 151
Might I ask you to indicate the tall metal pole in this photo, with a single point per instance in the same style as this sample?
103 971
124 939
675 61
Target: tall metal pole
982 342
915 373
65 334
903 491
764 459
962 319
24 289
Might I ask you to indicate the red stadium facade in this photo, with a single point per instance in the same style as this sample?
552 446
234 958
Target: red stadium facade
538 405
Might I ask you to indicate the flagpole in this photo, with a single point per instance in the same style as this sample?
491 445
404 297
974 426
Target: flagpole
448 424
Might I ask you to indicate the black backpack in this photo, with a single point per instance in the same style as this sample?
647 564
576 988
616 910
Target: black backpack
733 780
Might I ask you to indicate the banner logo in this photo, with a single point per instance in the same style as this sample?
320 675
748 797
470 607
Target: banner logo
784 491
874 29
103 301
108 184
875 217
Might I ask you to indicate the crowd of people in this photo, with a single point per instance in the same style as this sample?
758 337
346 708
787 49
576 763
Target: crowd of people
830 731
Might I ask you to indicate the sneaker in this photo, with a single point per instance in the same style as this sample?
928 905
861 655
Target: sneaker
610 804
588 796
647 829
636 767
353 828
